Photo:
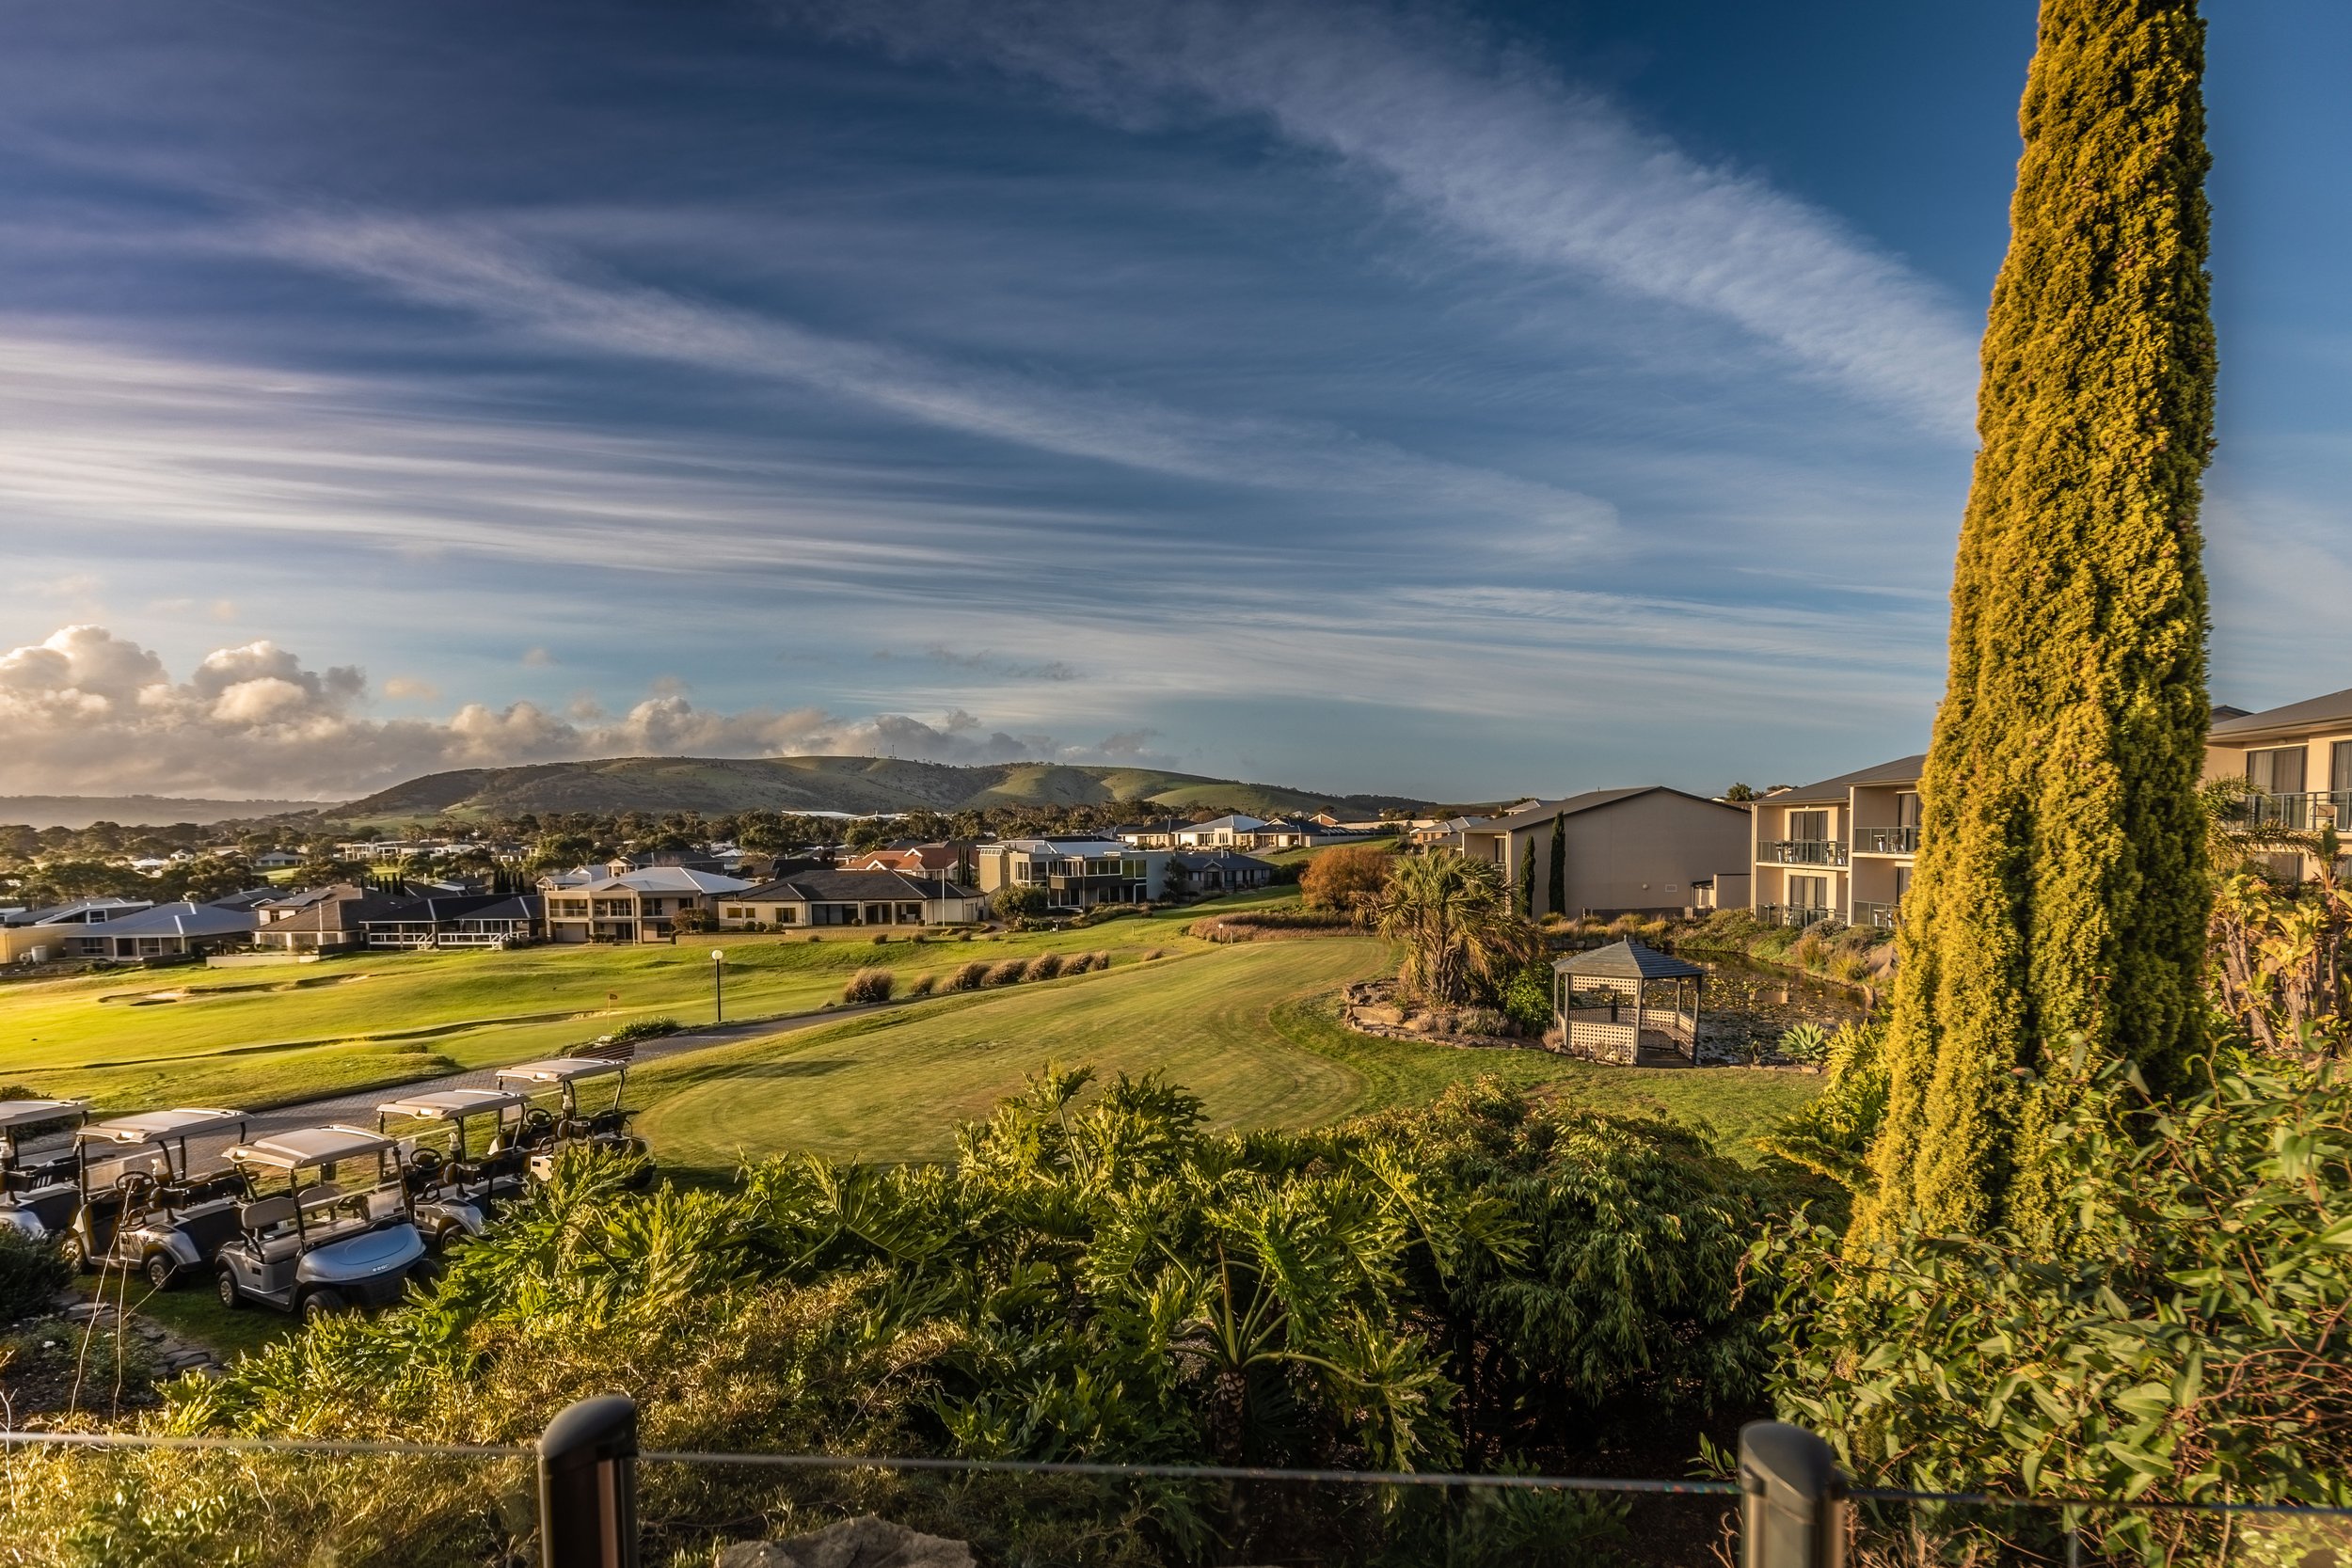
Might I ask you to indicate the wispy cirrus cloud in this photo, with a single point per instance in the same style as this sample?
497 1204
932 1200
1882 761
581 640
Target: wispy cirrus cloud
1487 143
562 300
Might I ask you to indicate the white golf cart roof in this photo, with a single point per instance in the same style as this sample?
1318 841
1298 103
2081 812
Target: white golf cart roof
310 1146
561 1069
32 1112
152 1126
445 1105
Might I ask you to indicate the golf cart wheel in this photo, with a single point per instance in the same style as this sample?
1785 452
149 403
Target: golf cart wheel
321 1303
162 1271
426 1272
76 1253
225 1286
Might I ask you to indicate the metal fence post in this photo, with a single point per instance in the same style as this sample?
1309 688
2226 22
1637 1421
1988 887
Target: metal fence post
1792 1507
588 1485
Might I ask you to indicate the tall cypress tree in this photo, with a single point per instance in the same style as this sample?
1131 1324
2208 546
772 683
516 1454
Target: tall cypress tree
1527 883
2060 889
1559 889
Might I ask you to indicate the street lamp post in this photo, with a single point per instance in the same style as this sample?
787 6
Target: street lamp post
718 986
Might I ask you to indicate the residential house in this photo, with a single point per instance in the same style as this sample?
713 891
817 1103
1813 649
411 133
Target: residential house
469 920
1221 833
29 936
1150 835
166 930
915 860
595 904
276 859
823 898
2298 760
1201 872
1839 850
1639 850
1074 873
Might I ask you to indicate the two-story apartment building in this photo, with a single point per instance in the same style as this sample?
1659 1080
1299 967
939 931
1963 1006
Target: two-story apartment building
1840 850
594 904
1074 873
2298 761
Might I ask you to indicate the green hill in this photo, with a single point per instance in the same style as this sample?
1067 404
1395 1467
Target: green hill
859 784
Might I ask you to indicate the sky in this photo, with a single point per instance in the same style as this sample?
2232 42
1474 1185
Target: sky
1453 400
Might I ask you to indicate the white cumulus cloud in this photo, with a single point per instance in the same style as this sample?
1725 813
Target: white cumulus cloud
87 712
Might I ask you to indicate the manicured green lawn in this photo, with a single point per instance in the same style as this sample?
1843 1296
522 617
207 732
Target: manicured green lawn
136 1038
1251 1028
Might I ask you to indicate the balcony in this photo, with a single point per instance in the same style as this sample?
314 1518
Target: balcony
1794 914
1887 841
1878 917
1802 851
2299 812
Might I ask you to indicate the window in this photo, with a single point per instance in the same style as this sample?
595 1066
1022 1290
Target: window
1811 827
1808 892
2276 771
910 914
1907 809
786 916
2340 765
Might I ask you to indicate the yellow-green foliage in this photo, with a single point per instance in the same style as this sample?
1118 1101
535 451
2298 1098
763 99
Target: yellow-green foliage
2060 889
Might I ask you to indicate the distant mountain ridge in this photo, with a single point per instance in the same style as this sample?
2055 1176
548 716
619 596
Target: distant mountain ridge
138 811
714 785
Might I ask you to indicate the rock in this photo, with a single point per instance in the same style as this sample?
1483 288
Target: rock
1371 1014
866 1542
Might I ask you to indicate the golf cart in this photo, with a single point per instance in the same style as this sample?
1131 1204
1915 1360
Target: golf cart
462 1152
557 1121
38 1191
335 1230
149 1202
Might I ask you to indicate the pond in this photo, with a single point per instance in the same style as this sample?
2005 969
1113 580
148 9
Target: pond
1749 1006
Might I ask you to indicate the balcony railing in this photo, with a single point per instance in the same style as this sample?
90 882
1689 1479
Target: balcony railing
1877 916
1803 851
1793 914
2301 812
1887 841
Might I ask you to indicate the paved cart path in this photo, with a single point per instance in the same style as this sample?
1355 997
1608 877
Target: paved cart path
359 1109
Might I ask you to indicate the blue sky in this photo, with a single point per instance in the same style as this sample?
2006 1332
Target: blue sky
1452 400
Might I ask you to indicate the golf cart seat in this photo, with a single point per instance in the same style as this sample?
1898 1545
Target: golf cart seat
271 1222
210 1228
31 1176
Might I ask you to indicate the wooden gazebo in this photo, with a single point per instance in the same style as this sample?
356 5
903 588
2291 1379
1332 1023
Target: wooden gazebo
1628 1003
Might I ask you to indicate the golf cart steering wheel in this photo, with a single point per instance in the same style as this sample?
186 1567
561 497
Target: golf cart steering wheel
537 1121
572 1129
424 1162
134 1183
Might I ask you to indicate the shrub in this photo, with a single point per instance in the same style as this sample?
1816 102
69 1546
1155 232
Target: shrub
923 984
1018 903
1155 953
1101 958
644 1029
32 1271
1803 1042
1346 879
969 976
2175 1336
963 936
1008 973
869 985
880 937
1043 967
1527 999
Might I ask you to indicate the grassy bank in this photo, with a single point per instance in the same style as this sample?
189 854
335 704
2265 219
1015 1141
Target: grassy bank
259 1037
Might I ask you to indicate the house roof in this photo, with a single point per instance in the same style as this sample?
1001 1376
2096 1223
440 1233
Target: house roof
1195 859
649 878
1592 799
847 887
179 920
476 906
2309 714
73 912
1235 822
1901 770
1627 960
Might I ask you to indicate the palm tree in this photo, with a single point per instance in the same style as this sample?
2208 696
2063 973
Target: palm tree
1453 916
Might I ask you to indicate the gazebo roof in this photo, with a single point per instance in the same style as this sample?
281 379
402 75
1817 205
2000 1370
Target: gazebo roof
1627 960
